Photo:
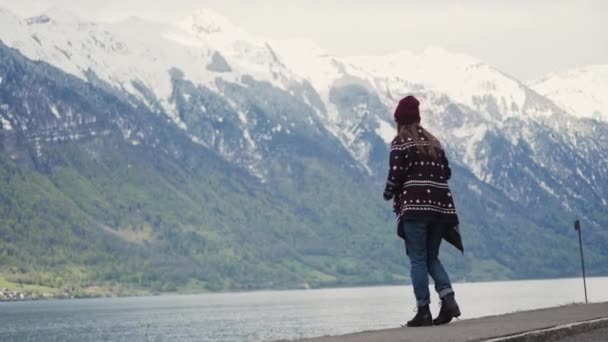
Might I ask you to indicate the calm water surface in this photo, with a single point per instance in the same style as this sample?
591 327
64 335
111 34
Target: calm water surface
267 316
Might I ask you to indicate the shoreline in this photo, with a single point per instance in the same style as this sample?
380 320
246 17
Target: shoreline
20 295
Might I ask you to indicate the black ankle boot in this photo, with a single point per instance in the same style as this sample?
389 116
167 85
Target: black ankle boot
423 318
449 310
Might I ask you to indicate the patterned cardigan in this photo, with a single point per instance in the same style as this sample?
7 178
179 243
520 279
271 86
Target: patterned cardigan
419 186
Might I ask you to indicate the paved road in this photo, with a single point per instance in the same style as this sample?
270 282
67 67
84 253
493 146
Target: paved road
482 328
597 335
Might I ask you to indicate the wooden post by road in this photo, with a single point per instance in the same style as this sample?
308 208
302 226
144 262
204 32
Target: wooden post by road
577 227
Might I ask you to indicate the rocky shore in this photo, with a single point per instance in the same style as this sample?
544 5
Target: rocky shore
7 295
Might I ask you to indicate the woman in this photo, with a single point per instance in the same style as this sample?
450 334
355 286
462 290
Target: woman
417 182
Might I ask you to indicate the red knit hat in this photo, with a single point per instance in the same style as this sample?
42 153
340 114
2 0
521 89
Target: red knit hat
407 111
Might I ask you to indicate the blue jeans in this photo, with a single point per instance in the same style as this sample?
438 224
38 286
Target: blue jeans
422 241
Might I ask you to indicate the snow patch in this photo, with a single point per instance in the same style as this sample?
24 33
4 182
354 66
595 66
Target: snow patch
6 125
386 131
545 187
55 111
580 173
248 139
171 110
474 188
473 156
277 128
198 141
242 117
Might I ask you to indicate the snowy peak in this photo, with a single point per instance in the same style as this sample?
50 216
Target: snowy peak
309 61
139 50
464 79
144 51
54 15
251 54
206 22
582 92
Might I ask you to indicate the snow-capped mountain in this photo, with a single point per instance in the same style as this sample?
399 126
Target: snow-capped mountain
143 58
458 79
137 50
464 99
582 92
471 105
289 113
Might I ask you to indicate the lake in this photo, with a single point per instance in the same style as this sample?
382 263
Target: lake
268 315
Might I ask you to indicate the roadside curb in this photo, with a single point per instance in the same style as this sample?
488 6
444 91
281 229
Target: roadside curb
552 333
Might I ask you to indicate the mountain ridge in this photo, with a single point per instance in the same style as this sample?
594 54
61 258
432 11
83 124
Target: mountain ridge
580 91
197 168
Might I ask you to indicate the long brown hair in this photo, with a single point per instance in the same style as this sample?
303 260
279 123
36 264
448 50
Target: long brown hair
418 133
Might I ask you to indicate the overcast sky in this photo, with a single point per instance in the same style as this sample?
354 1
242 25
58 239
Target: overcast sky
524 38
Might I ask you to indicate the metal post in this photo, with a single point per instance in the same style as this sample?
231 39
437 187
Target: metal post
577 227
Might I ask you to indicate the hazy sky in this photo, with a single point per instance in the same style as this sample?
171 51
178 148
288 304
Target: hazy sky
525 38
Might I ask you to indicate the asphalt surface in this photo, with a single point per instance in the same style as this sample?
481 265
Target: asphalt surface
597 335
486 328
